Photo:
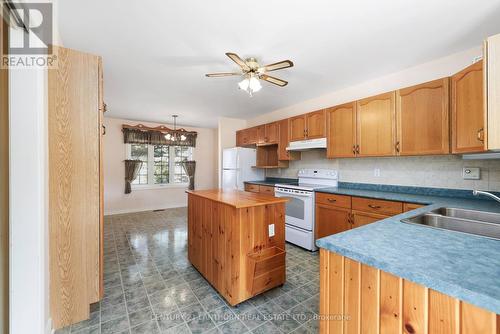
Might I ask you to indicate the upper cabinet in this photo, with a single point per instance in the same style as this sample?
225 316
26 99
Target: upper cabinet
341 131
271 133
309 126
423 118
283 140
247 137
492 56
376 128
467 110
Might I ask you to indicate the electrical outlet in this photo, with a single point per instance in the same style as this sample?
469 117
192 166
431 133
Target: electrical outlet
471 173
271 230
376 172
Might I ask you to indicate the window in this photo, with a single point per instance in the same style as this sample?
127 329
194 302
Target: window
158 161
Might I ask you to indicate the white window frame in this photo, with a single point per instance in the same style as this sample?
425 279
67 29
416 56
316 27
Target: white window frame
151 170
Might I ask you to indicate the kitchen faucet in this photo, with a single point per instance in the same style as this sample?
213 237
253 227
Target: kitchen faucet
485 193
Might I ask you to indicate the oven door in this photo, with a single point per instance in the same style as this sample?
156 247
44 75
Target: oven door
299 209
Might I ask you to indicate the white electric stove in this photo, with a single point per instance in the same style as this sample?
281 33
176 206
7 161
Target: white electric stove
299 219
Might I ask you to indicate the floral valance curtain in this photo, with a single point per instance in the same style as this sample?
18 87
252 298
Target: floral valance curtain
138 136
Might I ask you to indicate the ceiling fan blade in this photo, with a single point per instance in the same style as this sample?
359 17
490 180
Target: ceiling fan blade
241 63
278 66
273 80
218 75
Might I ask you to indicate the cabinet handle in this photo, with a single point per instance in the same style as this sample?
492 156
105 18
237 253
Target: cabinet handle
103 130
332 200
353 149
374 206
480 134
357 149
397 146
351 219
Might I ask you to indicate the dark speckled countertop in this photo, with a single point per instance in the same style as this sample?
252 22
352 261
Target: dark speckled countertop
272 181
463 266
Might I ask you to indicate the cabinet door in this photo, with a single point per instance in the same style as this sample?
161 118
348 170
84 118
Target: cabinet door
331 220
297 128
467 110
261 134
360 218
272 133
240 140
251 136
283 133
376 125
422 113
316 124
341 131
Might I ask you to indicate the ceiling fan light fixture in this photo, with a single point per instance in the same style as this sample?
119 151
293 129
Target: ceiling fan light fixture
254 84
244 84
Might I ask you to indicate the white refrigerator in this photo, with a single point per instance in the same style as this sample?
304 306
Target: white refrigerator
237 168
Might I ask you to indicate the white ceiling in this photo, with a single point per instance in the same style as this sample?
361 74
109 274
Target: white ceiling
156 52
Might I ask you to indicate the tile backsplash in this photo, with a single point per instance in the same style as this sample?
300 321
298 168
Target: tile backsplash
443 171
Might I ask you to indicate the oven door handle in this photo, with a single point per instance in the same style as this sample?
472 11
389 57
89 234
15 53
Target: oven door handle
292 194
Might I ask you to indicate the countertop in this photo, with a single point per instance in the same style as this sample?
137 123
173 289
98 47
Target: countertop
238 199
272 181
460 265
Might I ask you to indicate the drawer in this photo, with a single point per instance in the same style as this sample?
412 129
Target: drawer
267 190
266 269
335 200
411 206
377 206
252 187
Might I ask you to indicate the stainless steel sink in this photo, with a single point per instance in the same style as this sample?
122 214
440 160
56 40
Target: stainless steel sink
486 224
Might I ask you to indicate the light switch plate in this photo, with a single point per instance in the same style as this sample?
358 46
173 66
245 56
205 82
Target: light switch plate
271 230
471 173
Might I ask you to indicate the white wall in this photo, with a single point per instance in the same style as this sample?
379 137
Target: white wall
226 138
28 258
116 201
418 74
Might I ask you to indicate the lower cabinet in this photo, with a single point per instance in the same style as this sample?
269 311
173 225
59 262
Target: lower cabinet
339 213
357 298
255 188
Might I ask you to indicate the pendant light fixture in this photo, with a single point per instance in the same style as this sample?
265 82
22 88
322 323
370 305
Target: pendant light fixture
176 135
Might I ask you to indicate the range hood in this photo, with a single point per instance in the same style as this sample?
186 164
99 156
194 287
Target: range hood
304 145
482 156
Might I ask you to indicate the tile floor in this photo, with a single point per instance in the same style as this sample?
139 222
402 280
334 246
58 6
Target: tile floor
150 286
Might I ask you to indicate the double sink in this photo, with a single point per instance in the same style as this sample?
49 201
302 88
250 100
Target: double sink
481 223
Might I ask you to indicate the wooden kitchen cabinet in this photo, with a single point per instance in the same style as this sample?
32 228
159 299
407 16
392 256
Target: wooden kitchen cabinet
341 131
247 137
315 124
360 218
376 126
423 118
283 141
253 188
331 219
271 131
297 128
411 206
261 134
308 126
467 110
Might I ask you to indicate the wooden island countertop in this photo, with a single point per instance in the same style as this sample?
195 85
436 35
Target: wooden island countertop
236 240
237 198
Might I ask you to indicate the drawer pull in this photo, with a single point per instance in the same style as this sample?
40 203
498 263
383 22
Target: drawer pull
374 206
332 200
480 134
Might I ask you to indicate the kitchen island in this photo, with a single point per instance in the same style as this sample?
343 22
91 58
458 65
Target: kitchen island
236 240
395 277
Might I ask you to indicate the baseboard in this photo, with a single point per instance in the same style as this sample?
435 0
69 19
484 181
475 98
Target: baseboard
123 211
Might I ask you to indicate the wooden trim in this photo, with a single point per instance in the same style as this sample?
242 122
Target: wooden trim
374 301
101 179
493 88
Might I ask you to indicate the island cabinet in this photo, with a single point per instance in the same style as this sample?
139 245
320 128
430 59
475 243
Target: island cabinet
467 110
236 240
357 298
423 119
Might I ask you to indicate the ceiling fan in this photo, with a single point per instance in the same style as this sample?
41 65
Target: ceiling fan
252 72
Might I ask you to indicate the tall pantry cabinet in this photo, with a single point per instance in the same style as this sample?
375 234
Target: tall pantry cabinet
75 107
